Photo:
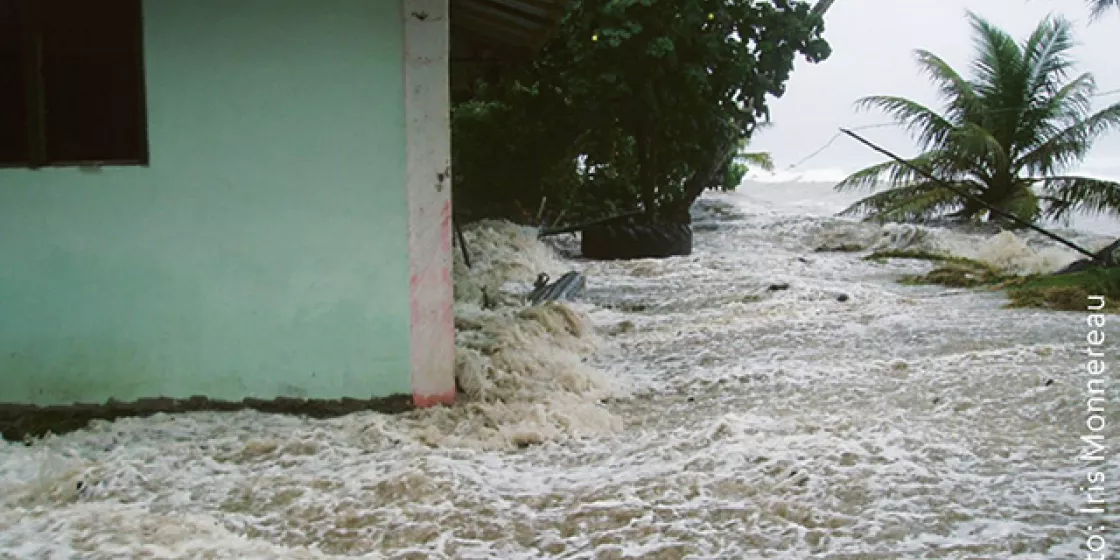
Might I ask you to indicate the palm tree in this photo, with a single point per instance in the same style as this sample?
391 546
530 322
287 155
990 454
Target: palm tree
1005 135
1099 7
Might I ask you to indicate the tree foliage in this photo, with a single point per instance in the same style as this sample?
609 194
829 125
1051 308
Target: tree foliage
1099 7
1006 135
633 103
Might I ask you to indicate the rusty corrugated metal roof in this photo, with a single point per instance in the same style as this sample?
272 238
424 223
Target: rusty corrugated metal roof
506 24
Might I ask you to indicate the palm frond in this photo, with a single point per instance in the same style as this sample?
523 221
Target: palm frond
919 201
1069 145
1099 7
1049 101
761 160
926 126
1066 194
998 60
955 90
1063 106
890 172
1046 55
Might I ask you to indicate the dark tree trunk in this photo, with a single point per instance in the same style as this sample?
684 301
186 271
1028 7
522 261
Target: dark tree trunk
701 180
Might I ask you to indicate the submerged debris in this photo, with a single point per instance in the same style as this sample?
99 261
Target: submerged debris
520 369
567 287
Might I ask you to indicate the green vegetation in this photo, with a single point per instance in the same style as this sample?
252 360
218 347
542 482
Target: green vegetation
633 104
921 255
1064 292
737 168
1068 292
1005 136
958 275
1099 7
840 248
956 272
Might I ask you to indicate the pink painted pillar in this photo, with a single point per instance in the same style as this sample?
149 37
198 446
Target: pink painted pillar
427 179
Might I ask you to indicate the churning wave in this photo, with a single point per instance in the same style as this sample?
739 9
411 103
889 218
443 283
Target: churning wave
757 399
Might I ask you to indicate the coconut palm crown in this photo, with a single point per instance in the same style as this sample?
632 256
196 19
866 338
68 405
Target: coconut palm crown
1006 135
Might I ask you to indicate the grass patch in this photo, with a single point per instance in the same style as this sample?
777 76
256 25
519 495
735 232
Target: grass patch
842 248
1064 292
905 254
956 272
957 276
881 256
1068 292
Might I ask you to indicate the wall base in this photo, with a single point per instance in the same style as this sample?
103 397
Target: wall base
425 401
19 421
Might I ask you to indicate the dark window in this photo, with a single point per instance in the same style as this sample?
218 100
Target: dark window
72 83
14 126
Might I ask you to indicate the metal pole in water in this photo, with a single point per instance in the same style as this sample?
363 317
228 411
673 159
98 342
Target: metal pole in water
969 196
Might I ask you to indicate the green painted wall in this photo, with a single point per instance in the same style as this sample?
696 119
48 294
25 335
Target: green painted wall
263 252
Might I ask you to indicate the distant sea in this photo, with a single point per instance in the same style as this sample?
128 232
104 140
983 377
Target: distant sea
819 198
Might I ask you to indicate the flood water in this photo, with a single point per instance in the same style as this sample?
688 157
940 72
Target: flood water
682 409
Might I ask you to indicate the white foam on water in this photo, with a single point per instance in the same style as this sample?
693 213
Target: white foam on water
1015 253
520 368
500 252
714 417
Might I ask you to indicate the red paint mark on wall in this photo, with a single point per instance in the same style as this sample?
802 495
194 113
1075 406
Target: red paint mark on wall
424 401
433 316
445 229
414 301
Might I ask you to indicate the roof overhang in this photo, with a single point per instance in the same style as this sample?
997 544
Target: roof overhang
490 37
505 25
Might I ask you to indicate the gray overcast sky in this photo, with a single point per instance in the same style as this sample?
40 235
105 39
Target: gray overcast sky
873 43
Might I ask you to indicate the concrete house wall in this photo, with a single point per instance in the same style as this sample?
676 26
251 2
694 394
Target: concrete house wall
265 250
